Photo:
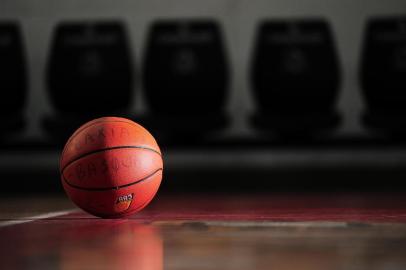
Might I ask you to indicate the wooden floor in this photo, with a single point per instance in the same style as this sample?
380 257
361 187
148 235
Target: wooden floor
203 231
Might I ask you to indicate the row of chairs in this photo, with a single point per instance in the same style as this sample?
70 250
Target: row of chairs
295 75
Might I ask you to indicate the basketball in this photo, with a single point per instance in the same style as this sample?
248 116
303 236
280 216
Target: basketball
111 167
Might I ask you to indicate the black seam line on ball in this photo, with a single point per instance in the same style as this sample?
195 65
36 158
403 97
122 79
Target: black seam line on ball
108 149
112 188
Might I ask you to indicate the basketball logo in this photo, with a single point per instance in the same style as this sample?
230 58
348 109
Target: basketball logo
123 202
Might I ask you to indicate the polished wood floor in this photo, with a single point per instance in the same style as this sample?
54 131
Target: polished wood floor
203 231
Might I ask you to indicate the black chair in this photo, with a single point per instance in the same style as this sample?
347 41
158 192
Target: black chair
185 78
295 77
89 74
13 79
383 75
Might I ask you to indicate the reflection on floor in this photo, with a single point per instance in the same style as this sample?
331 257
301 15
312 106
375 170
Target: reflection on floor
341 231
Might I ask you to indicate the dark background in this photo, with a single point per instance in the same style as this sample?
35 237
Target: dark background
235 155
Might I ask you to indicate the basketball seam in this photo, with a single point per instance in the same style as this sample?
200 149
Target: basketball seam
97 121
111 188
107 149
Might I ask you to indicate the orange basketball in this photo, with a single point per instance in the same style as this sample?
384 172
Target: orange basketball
111 167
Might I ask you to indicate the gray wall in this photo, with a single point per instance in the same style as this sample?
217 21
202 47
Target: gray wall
239 20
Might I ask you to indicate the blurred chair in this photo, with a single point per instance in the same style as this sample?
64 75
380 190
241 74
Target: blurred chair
13 79
383 74
185 78
295 77
89 74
